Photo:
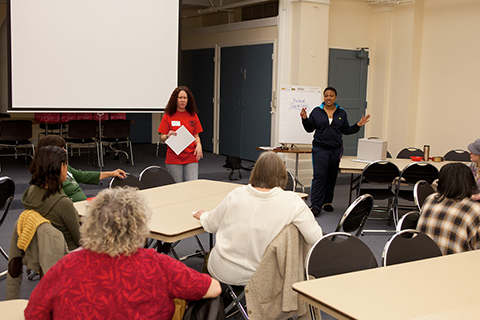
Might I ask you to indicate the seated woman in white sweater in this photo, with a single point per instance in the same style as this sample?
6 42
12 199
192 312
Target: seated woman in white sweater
250 217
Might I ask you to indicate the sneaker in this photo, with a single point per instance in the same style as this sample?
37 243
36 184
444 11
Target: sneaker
327 207
315 211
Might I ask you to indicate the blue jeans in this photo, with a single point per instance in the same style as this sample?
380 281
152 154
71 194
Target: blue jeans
325 170
183 172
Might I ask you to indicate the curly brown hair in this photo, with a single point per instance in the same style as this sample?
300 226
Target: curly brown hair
115 222
171 107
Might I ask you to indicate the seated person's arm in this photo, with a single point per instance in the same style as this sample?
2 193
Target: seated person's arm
214 290
119 173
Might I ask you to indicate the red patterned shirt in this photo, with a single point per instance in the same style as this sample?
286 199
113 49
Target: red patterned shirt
89 285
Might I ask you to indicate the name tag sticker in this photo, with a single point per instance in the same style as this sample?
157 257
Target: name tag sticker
175 123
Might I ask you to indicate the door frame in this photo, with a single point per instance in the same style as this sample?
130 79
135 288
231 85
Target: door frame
216 90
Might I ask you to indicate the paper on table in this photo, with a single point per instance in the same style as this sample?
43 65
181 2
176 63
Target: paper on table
182 140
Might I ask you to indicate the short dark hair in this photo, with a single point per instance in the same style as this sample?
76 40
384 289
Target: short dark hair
52 140
455 181
269 172
46 168
171 107
331 89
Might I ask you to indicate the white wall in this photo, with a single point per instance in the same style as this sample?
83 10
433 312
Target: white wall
449 75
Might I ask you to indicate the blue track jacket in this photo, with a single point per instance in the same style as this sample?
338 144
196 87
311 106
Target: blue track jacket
328 135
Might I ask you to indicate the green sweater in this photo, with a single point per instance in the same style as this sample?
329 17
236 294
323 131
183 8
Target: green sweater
71 186
58 209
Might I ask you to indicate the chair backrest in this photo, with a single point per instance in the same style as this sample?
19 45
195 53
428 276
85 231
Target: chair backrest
457 155
7 192
406 153
381 171
130 180
116 128
16 130
338 253
82 129
409 245
155 176
356 215
421 191
417 171
290 182
389 154
408 221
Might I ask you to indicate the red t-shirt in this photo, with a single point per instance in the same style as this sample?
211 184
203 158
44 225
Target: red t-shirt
174 123
89 285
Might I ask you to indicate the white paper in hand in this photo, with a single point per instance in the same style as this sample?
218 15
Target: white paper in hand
182 140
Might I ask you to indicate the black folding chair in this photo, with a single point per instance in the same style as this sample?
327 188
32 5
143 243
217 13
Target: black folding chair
290 182
421 191
83 132
337 253
406 153
114 134
377 179
130 180
7 192
155 176
409 176
356 215
15 134
408 221
409 245
457 155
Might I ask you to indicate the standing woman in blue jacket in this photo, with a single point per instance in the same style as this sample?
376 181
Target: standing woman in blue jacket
329 121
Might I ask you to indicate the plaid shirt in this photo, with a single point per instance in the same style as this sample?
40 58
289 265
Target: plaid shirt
453 225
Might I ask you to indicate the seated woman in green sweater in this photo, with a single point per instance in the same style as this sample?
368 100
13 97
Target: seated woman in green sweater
49 170
71 185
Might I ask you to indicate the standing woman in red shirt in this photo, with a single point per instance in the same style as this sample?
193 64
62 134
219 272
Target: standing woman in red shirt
181 110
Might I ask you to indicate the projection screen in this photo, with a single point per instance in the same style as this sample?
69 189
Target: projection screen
92 55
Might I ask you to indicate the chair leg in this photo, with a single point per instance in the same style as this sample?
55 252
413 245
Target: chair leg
236 302
4 254
131 153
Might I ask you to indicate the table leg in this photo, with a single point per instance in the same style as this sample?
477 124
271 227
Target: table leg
296 173
351 189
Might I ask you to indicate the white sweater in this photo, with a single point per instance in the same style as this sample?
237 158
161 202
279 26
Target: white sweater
246 221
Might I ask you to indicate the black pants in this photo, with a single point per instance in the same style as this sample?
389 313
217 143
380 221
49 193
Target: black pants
325 170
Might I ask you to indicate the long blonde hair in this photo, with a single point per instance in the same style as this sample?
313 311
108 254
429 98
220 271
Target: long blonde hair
116 222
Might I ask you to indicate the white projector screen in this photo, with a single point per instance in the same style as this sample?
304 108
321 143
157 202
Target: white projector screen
92 55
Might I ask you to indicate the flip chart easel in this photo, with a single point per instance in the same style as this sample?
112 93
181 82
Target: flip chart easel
292 100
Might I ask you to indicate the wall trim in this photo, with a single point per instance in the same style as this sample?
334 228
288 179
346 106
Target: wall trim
252 24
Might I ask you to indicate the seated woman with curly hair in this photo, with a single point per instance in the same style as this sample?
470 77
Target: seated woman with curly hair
112 276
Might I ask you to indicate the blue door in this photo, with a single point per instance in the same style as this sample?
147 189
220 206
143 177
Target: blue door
348 74
245 99
197 72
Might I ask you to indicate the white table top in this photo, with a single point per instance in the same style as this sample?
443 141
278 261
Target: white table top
13 309
437 288
349 166
172 207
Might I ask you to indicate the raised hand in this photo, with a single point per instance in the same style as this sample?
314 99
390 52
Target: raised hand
364 120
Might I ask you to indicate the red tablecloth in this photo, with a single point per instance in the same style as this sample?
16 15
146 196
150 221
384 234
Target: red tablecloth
53 117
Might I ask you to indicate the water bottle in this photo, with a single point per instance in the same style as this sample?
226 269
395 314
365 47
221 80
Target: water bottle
426 152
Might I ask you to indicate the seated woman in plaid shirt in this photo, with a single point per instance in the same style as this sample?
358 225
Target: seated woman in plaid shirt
449 216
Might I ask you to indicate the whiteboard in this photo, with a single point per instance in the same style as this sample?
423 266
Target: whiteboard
292 100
